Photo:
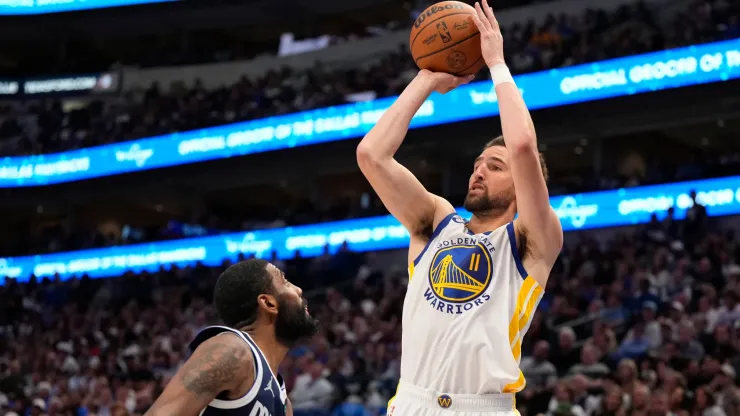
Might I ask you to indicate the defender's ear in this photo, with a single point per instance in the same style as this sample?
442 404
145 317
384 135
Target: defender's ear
268 303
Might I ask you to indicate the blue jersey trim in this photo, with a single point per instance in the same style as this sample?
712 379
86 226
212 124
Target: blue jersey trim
515 250
442 224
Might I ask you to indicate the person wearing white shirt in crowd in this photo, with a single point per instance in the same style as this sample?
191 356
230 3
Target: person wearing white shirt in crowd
312 391
709 312
538 370
730 309
652 326
590 365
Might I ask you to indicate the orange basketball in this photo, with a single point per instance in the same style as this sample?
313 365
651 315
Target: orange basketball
444 38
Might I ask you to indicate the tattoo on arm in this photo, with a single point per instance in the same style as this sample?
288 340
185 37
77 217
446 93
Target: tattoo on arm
213 369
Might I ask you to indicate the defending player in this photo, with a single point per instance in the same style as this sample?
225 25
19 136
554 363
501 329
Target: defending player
233 369
474 285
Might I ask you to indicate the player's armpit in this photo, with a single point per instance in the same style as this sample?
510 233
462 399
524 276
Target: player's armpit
537 256
223 363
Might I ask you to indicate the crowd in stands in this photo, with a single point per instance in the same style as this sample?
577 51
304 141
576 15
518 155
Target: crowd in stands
559 41
660 335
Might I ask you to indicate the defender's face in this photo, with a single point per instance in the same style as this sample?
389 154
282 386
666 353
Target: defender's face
287 292
293 324
491 186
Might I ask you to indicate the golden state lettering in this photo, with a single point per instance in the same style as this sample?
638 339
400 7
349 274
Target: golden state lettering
433 10
459 275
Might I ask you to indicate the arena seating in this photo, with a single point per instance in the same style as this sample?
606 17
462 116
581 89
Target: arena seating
659 334
559 41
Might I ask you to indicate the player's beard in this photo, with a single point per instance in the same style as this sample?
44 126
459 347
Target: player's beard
294 324
487 204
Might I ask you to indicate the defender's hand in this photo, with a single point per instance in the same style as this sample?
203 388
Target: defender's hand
491 40
443 82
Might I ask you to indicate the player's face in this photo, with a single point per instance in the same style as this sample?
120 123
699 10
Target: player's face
293 323
491 187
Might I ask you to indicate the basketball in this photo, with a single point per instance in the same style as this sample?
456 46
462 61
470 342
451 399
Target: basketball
444 38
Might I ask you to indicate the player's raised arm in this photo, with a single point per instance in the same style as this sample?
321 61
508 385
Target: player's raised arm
402 194
219 364
536 218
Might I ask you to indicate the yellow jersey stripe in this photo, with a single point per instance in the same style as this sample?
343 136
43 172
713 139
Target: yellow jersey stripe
517 349
390 401
411 270
529 309
526 302
514 327
521 298
516 386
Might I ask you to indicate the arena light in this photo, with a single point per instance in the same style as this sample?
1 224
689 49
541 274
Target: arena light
714 62
577 212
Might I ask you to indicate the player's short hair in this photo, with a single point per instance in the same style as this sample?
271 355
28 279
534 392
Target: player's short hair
237 289
499 141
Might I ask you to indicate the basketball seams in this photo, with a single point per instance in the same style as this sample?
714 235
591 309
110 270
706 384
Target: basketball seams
411 45
447 47
460 72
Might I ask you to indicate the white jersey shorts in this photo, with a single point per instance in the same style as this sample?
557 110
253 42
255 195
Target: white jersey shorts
415 401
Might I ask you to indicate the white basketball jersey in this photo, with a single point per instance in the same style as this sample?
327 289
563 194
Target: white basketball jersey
468 305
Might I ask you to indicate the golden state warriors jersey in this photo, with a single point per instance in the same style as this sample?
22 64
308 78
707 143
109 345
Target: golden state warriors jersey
468 305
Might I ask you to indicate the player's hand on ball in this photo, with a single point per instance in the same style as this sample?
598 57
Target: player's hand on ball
491 40
444 82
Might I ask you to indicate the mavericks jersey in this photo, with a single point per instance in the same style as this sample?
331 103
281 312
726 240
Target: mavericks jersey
267 397
468 305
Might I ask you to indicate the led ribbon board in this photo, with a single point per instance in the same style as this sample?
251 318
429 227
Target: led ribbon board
579 211
27 7
714 62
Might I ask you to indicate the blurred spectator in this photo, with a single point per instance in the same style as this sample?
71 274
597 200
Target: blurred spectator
590 365
540 374
566 354
312 391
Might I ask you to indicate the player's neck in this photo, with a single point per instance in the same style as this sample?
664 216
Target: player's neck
273 350
482 222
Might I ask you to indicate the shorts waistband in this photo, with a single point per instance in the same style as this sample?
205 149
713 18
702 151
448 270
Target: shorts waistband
456 402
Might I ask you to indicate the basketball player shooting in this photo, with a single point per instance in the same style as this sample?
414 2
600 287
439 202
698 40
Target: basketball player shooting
474 285
232 369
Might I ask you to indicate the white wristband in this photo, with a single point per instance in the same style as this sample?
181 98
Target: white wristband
501 75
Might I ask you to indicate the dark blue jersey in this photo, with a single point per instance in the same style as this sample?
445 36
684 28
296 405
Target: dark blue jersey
267 397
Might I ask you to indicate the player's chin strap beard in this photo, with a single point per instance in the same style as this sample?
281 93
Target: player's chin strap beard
488 207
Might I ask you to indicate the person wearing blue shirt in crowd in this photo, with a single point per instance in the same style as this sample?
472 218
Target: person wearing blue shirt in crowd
635 344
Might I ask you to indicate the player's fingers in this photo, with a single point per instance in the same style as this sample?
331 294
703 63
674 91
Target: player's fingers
461 80
478 23
489 15
494 21
482 16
